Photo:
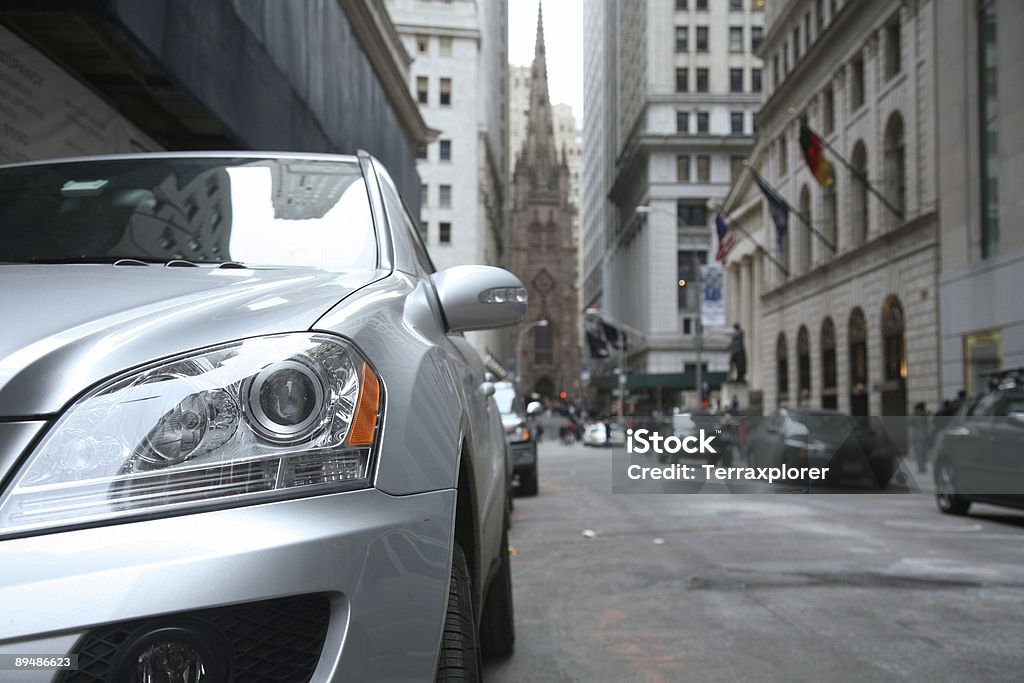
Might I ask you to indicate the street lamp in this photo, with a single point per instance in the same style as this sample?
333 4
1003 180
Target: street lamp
519 346
698 337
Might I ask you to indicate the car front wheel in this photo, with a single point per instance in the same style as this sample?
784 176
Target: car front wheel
946 497
459 659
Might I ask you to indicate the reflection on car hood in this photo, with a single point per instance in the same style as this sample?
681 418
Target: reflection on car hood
66 327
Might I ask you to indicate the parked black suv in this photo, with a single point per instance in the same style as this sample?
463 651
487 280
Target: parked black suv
520 433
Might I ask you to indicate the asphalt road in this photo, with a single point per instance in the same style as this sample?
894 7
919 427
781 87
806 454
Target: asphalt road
822 588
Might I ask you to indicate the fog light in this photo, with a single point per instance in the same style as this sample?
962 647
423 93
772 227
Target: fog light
170 661
190 651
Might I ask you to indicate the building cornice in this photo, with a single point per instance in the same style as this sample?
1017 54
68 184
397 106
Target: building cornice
390 61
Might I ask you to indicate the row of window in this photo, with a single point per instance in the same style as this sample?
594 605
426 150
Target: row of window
734 5
444 95
701 38
444 196
444 151
444 231
894 360
444 45
736 122
702 79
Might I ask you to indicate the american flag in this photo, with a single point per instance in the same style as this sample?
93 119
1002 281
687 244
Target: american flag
726 239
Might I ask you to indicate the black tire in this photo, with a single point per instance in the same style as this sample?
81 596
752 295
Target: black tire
528 483
459 658
498 623
946 496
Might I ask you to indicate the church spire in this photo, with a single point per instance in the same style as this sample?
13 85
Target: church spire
539 150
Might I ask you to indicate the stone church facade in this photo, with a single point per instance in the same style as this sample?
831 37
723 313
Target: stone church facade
543 249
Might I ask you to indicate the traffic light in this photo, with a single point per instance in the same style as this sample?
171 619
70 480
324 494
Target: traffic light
563 395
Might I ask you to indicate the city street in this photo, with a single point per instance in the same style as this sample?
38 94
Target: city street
756 588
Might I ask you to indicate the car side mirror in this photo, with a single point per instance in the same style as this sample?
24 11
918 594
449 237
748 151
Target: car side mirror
534 409
480 297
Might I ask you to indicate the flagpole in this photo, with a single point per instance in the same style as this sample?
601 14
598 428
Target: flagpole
862 178
737 226
804 218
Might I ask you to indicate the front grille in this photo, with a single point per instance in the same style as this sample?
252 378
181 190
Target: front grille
272 641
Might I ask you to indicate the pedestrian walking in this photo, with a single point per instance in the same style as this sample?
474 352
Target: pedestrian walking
919 429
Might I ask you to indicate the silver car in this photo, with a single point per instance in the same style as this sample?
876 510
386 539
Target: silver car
242 437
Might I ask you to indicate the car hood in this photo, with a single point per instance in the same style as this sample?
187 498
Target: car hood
70 326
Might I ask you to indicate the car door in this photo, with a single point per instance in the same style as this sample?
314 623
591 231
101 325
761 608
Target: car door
1003 460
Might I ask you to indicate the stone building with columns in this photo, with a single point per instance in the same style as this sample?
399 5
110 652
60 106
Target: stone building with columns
844 316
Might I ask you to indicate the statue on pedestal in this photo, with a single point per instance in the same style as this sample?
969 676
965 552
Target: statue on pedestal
738 355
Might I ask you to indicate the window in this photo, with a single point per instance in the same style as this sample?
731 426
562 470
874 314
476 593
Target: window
785 59
702 122
735 168
803 363
782 154
829 206
859 190
807 30
702 5
735 80
735 4
681 5
735 39
736 123
828 110
857 343
421 89
422 44
892 47
682 38
829 400
782 369
895 164
756 38
702 39
703 169
446 46
424 195
804 231
446 92
444 198
856 83
421 152
682 80
444 233
796 46
989 124
543 345
755 80
682 122
692 213
683 168
776 74
820 16
702 80
446 150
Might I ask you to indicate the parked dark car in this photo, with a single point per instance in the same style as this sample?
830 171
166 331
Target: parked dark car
800 437
521 434
978 453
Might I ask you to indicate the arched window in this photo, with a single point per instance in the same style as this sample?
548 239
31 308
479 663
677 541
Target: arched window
859 194
894 388
828 365
544 344
803 364
830 219
894 154
857 338
782 369
804 229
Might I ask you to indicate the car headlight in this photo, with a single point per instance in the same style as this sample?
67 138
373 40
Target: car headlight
521 433
285 415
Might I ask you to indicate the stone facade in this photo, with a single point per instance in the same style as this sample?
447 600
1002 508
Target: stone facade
543 247
862 76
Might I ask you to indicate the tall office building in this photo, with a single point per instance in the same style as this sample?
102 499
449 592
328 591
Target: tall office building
460 51
670 91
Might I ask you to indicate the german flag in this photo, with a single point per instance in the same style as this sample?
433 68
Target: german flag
814 155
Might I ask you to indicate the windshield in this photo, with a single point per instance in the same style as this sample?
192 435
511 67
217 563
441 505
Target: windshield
259 212
508 402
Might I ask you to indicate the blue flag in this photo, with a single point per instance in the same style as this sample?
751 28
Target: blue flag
779 210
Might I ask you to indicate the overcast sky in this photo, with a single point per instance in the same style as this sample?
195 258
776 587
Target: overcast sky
563 39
